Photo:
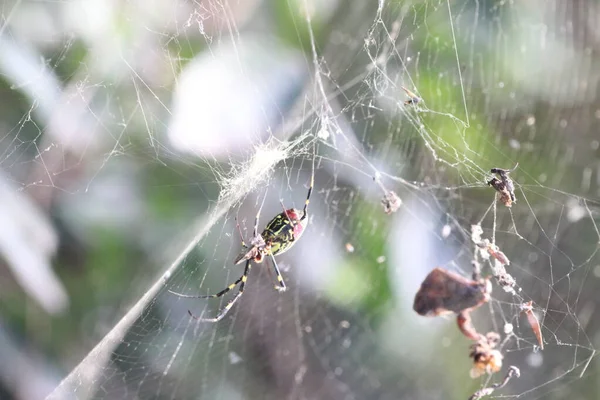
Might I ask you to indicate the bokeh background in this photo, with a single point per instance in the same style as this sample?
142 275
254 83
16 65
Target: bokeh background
134 134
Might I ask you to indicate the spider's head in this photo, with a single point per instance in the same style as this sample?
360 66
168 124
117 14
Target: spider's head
247 254
260 256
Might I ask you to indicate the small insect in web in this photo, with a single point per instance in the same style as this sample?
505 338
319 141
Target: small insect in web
527 308
279 235
486 359
494 251
513 372
504 185
443 292
391 202
413 98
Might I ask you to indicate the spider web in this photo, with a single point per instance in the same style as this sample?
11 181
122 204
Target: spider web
212 109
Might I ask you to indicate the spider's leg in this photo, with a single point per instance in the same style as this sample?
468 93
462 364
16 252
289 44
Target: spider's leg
257 217
312 183
240 231
210 296
281 287
255 231
231 302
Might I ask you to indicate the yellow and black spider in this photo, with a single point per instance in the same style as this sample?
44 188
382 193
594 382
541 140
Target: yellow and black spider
280 234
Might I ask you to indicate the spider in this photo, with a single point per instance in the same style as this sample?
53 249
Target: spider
279 235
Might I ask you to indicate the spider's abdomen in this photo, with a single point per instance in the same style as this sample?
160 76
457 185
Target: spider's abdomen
281 234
